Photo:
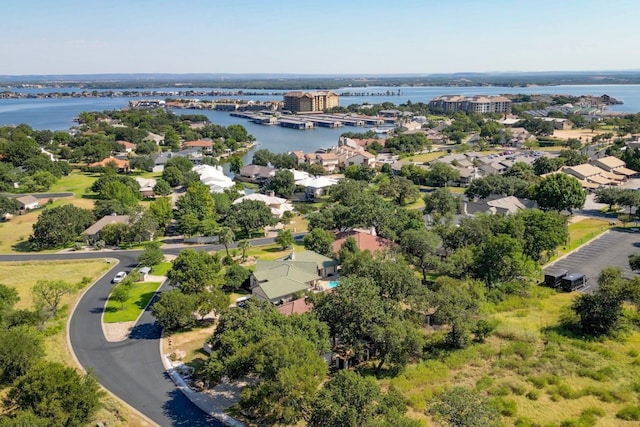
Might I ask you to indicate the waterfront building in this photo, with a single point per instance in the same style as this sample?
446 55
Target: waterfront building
308 102
477 104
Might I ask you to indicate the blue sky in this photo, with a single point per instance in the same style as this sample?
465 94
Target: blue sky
320 36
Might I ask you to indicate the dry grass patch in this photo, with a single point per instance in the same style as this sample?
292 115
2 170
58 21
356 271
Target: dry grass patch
585 135
24 275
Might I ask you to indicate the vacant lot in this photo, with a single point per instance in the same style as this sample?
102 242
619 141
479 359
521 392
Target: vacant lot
140 295
533 368
584 135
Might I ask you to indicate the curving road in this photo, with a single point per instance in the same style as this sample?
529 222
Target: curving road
130 369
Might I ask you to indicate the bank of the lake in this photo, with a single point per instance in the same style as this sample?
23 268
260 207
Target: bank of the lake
58 113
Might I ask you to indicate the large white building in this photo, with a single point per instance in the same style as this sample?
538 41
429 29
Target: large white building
213 177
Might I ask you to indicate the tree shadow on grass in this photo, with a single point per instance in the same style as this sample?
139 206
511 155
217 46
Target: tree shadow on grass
144 300
23 246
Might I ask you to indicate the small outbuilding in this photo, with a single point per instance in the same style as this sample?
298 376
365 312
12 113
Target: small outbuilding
27 203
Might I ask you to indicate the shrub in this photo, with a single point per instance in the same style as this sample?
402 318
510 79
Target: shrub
533 394
484 383
506 407
629 413
525 422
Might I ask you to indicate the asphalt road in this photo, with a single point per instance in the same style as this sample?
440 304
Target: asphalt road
611 249
131 369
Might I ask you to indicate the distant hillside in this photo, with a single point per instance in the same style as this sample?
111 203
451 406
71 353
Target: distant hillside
321 81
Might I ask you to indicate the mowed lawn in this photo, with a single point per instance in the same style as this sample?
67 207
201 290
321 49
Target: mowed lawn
76 182
24 275
141 294
582 232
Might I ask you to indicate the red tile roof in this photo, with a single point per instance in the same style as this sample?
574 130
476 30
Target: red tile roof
127 145
198 143
298 306
365 241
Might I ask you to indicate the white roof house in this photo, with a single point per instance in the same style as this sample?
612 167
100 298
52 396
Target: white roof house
213 177
277 205
317 182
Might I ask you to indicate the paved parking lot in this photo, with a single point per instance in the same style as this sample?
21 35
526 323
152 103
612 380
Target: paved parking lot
611 249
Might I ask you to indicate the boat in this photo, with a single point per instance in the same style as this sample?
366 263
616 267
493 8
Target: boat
382 130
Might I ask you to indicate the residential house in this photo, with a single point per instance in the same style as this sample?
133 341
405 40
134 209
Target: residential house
329 161
277 205
27 203
366 241
518 137
280 280
298 156
496 204
255 173
121 165
127 146
467 174
200 144
614 165
315 186
355 156
213 177
93 232
146 186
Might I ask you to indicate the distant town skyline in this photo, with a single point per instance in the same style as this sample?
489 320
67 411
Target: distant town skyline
321 37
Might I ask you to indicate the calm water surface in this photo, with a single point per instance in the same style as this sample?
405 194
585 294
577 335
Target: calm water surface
58 114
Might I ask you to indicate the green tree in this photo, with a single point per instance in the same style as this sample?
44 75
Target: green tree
235 164
8 206
441 203
59 226
290 371
211 301
47 294
226 236
162 188
351 400
521 170
284 238
421 247
456 303
400 189
21 348
440 174
319 240
282 183
182 163
23 419
173 176
8 298
175 310
161 210
116 233
244 246
573 157
152 255
500 259
120 293
194 271
249 216
543 231
559 192
462 407
634 262
57 393
600 311
544 165
234 276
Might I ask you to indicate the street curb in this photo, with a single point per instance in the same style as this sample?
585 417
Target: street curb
198 399
576 249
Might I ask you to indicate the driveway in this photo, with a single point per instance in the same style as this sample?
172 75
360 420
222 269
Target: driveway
610 249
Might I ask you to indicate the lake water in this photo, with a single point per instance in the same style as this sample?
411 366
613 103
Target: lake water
58 114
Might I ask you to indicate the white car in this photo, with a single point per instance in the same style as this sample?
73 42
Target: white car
119 277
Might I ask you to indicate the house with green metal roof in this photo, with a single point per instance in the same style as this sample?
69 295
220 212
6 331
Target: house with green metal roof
278 281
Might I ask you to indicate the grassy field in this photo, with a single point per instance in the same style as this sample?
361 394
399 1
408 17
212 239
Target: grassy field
76 182
534 367
23 276
581 232
161 269
141 294
425 157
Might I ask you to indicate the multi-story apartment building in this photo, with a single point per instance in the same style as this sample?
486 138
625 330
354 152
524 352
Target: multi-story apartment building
477 104
306 102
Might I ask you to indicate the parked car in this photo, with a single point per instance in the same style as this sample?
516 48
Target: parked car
119 277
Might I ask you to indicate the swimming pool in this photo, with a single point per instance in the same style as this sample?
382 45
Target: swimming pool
333 284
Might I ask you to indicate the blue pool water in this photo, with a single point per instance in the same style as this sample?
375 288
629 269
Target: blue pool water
333 284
